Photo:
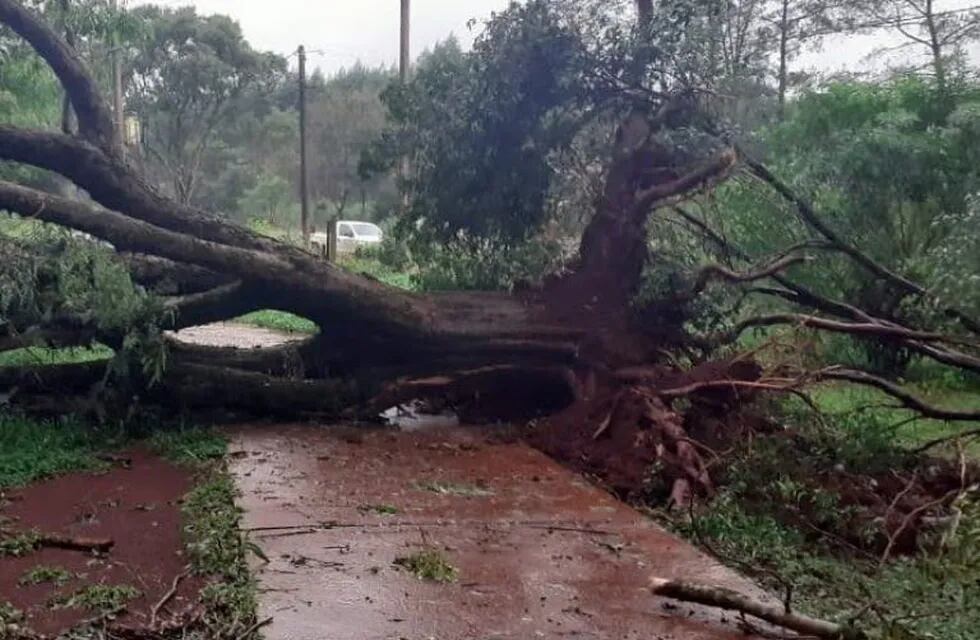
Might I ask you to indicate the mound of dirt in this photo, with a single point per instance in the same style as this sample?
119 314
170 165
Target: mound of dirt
657 433
137 507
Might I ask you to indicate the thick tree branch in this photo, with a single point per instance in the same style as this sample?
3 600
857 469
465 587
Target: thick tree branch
716 271
94 117
222 303
166 277
862 329
813 220
712 172
127 234
285 361
312 288
47 337
197 387
114 184
908 400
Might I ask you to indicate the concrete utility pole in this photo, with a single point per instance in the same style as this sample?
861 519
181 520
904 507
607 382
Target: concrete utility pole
117 84
304 188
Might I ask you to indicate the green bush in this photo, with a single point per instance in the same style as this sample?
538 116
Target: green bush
483 266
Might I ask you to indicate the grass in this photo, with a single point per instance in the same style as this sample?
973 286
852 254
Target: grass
218 549
100 598
278 321
430 565
19 545
43 574
188 446
764 522
46 356
922 597
454 489
373 268
848 400
32 450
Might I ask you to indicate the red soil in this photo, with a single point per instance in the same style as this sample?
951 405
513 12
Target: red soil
137 507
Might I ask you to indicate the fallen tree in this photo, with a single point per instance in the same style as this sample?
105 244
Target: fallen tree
575 342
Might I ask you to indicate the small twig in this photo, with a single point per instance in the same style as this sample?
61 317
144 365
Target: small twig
839 540
904 492
551 527
166 598
603 426
907 521
966 435
255 627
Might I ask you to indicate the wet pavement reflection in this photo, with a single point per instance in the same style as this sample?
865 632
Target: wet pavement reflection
540 552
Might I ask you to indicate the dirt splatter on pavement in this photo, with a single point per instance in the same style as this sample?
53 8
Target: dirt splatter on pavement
137 507
540 552
238 336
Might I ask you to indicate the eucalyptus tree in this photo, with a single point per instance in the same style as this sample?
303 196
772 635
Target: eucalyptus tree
189 74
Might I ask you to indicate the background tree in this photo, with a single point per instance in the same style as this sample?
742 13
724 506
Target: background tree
187 75
938 27
346 116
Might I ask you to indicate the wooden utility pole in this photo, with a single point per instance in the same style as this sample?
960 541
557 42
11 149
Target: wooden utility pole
117 84
405 59
404 65
304 187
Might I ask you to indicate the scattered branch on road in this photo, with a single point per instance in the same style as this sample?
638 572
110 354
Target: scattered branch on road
734 601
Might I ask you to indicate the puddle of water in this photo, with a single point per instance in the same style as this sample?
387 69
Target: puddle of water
409 418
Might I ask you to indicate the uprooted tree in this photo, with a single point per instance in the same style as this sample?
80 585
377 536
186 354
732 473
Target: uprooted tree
573 345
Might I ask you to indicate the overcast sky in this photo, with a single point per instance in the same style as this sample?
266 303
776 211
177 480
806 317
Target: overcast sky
340 32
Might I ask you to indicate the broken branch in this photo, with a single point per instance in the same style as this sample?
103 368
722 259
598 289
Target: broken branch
734 601
908 400
91 545
711 271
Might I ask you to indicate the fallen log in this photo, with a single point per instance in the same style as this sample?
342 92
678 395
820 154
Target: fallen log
734 601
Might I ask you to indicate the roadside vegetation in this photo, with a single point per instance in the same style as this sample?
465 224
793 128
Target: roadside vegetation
32 451
798 511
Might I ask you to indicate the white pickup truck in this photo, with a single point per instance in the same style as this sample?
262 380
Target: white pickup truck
351 235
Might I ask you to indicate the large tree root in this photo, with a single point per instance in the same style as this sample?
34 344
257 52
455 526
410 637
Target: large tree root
734 601
661 430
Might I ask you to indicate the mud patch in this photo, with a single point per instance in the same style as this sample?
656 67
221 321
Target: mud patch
138 508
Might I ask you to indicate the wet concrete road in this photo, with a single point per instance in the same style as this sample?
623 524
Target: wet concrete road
540 552
238 336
